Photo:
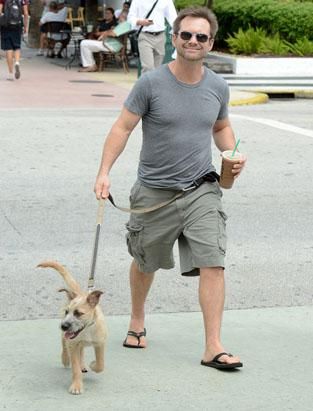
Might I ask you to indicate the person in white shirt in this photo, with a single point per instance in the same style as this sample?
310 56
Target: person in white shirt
56 12
151 40
124 9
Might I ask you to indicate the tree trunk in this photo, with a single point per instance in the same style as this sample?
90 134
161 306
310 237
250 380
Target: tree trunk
34 33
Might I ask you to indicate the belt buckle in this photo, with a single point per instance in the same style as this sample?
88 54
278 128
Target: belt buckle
194 185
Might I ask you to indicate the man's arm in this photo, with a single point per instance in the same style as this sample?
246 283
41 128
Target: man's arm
113 147
224 139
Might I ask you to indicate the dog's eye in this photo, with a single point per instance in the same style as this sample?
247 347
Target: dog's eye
77 313
66 312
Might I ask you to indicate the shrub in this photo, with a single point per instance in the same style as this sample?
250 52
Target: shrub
275 45
182 4
292 21
247 42
302 47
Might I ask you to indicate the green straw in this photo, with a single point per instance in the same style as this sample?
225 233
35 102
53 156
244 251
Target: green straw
234 151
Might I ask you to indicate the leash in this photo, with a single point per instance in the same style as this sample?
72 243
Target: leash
145 209
210 177
91 281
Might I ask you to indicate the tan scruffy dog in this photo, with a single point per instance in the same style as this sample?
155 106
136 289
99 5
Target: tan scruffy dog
83 325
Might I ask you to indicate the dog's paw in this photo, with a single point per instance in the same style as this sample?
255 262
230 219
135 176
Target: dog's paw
76 388
96 367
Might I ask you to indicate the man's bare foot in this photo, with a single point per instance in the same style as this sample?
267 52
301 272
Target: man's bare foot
89 69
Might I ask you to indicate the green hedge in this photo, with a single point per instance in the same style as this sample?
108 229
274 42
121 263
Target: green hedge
292 20
182 4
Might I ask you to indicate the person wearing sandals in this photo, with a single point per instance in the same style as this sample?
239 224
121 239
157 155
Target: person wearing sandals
183 107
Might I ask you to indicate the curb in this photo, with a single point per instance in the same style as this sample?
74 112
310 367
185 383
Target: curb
258 98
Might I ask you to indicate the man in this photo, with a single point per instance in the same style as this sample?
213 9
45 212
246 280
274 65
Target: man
57 12
151 40
180 105
88 47
11 37
124 9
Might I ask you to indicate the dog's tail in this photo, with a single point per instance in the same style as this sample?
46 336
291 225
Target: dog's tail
69 280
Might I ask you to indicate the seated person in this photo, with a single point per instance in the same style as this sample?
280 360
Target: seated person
109 43
107 23
106 41
57 12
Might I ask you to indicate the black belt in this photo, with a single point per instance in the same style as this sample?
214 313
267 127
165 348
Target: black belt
210 177
154 33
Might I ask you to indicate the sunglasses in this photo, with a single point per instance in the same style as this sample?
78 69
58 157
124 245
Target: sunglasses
201 38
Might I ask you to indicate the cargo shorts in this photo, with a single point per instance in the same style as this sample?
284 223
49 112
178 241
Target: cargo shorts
196 220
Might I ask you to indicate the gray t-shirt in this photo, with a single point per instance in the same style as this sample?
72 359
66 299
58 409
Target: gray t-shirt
177 121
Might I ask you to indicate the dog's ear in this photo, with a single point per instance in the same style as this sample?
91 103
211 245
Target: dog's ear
93 298
71 295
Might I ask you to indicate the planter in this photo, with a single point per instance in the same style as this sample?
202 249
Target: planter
260 66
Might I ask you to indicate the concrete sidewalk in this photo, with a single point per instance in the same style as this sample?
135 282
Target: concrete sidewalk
275 345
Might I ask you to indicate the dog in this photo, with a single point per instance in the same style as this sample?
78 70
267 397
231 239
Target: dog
83 325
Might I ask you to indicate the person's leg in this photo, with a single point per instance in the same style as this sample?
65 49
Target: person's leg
10 60
140 284
211 298
145 52
17 55
87 48
159 50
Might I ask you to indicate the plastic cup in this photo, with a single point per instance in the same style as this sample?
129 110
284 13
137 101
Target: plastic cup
226 176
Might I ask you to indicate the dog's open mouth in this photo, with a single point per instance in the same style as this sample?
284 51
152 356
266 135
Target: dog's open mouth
70 335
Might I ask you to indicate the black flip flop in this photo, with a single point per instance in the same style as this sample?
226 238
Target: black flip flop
138 336
215 363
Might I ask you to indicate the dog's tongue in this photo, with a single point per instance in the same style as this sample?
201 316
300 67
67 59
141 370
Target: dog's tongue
69 334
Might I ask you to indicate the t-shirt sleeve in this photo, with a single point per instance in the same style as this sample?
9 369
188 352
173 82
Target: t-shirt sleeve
139 98
223 113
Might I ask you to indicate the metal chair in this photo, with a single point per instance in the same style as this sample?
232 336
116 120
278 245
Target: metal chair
57 32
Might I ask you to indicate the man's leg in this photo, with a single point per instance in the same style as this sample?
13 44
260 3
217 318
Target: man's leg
211 298
17 55
140 284
146 52
10 61
159 50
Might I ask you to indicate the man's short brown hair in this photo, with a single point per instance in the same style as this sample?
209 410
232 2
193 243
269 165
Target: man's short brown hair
197 12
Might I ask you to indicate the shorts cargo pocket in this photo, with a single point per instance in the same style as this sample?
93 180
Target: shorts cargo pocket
134 242
222 217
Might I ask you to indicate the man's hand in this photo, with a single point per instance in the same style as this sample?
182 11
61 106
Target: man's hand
144 22
238 167
102 186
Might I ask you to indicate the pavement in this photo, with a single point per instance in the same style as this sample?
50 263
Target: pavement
274 343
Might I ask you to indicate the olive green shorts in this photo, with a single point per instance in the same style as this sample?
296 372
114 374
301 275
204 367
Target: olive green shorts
196 220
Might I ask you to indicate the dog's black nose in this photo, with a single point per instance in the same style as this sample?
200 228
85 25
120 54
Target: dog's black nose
65 326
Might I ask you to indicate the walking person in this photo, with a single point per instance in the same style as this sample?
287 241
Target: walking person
182 106
11 33
151 39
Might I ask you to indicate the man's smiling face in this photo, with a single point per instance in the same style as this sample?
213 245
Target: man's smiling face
193 49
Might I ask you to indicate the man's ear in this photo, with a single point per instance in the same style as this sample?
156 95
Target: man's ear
93 298
70 294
